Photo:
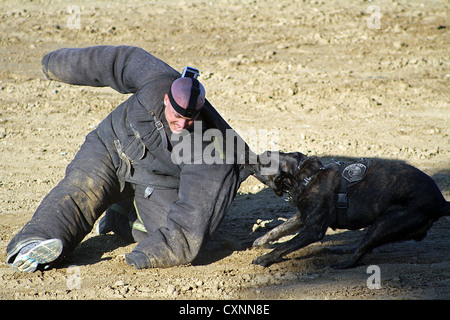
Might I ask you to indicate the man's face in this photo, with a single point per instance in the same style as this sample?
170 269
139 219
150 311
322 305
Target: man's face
176 121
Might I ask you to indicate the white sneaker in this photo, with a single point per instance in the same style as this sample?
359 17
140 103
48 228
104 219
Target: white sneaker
37 253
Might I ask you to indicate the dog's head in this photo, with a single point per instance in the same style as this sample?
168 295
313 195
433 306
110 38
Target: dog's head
277 169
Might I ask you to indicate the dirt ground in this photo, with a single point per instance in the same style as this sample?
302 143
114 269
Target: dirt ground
318 75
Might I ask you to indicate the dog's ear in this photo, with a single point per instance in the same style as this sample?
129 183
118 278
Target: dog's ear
300 157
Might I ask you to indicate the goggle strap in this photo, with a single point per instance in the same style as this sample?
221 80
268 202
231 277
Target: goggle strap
190 111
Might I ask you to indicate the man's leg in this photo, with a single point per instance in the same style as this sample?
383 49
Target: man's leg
69 211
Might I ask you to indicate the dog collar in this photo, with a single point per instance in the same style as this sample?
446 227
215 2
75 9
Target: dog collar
306 181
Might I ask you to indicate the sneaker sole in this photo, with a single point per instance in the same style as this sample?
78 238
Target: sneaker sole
46 251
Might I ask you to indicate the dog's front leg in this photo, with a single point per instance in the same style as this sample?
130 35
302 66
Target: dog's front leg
293 224
305 237
314 227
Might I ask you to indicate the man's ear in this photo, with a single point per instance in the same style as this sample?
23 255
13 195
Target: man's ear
166 100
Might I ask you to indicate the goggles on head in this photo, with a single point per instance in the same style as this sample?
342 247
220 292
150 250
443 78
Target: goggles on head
191 110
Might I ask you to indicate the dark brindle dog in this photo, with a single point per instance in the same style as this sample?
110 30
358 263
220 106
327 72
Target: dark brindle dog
394 200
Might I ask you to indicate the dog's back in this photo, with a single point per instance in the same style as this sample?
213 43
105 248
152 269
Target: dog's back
391 183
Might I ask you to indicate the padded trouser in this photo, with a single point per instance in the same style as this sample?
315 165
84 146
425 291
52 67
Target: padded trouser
91 185
164 239
71 208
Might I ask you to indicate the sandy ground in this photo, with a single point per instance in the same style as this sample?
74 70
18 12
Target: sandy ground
318 76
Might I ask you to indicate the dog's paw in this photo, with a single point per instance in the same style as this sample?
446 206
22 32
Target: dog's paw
339 250
263 261
259 242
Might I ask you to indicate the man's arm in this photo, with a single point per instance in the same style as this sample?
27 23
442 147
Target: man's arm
122 68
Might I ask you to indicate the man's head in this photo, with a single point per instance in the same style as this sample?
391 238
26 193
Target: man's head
276 169
180 110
